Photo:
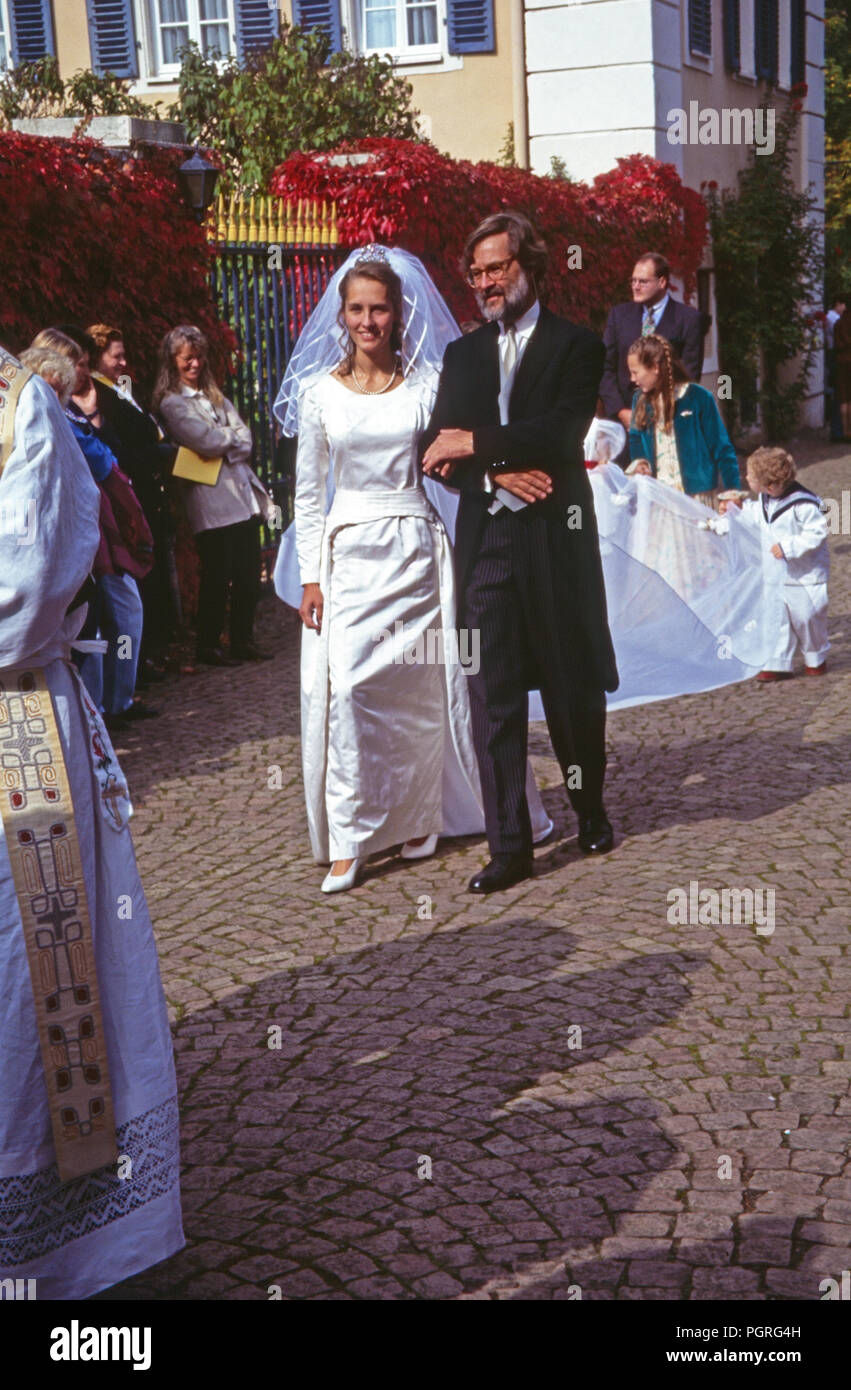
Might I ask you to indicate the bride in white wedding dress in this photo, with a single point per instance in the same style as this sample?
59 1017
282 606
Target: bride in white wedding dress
386 742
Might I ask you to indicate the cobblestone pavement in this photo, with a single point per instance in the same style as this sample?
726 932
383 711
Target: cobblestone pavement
450 1043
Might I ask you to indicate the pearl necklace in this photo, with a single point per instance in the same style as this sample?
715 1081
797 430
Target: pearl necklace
380 392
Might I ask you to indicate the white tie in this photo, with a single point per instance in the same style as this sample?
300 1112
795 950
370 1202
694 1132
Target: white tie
508 351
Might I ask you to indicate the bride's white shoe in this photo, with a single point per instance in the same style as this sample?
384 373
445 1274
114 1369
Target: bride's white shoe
338 883
543 834
423 851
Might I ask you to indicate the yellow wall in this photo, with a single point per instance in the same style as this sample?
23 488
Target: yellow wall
72 36
470 108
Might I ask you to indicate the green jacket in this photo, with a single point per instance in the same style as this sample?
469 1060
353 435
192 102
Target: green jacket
703 444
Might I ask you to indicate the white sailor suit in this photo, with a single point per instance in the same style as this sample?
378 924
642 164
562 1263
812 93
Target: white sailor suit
796 586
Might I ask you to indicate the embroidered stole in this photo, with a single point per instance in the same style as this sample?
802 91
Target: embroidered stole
44 853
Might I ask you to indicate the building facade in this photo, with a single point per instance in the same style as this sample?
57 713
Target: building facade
580 81
584 81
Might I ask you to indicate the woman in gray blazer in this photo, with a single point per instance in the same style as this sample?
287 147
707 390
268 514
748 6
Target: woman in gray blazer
225 517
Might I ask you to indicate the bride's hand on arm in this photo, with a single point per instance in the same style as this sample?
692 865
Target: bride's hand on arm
312 604
443 453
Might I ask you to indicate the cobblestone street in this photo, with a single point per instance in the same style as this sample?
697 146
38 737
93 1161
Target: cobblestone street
569 1067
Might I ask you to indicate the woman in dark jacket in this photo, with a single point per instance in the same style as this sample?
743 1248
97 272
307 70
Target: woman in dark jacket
147 459
116 610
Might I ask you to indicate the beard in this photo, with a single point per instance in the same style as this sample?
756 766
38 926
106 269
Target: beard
509 303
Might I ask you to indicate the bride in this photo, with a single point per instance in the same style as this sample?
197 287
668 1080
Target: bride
386 742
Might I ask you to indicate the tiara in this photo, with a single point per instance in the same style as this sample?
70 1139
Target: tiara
373 252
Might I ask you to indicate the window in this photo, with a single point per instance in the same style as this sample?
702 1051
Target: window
732 39
175 23
400 26
112 37
5 47
27 30
411 31
700 27
798 37
766 39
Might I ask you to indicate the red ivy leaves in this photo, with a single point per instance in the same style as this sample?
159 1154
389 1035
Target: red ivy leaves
411 195
100 238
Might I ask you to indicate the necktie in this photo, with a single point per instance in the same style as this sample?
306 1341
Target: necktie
649 324
508 351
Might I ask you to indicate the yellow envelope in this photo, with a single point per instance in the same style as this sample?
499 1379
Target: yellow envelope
194 469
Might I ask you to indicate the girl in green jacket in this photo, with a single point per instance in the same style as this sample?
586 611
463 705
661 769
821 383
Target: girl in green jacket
676 432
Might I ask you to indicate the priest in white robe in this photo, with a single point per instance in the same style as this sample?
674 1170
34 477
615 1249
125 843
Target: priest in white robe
89 1181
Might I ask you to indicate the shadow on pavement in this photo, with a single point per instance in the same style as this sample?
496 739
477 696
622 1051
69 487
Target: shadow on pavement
302 1162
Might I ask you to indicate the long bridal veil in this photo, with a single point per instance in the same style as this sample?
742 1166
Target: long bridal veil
686 606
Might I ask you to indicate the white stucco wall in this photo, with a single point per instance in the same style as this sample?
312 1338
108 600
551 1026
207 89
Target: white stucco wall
602 75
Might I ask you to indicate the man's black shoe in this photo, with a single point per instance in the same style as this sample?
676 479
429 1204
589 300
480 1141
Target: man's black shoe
139 710
595 834
214 656
503 871
149 672
250 653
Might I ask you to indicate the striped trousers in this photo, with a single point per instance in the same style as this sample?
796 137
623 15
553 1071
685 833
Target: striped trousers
510 601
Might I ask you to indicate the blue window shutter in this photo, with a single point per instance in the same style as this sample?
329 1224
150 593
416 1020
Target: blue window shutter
471 28
799 42
31 23
112 37
766 25
700 26
732 42
257 24
320 14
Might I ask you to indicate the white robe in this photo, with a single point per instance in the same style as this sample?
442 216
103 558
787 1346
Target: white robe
387 747
78 1237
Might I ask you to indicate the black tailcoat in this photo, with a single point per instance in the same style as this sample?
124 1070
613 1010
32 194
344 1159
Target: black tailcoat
552 402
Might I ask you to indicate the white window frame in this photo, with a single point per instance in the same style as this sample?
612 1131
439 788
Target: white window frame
7 36
784 45
401 53
158 69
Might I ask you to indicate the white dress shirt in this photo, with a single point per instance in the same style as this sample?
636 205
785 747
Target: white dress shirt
522 330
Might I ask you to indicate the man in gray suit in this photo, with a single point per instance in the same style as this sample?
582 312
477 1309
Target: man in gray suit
652 311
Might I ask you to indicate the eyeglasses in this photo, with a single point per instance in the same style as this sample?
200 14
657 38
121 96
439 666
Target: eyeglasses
496 271
635 280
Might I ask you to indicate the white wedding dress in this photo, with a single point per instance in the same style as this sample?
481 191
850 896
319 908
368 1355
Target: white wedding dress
387 746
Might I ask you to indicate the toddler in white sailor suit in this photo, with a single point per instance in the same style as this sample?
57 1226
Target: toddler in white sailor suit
794 531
